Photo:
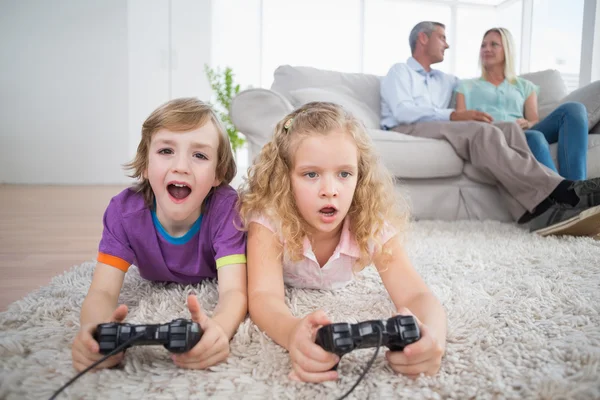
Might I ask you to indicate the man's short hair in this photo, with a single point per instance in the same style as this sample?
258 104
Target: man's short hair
427 27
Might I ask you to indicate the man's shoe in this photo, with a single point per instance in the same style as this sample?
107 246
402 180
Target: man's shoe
588 192
562 219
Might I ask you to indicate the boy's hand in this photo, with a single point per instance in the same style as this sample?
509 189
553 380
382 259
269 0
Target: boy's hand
86 351
423 356
212 348
310 363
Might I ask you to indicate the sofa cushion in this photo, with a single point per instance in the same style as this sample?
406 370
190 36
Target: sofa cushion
552 89
589 96
356 107
364 87
414 157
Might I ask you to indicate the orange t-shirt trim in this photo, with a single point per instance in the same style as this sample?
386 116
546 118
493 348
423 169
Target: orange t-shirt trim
113 261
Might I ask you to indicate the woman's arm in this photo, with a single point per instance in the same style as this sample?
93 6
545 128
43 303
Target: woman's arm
531 110
233 301
266 290
461 104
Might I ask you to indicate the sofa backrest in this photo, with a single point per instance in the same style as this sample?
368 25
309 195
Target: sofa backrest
365 87
552 89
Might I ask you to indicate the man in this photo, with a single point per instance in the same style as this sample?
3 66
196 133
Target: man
415 100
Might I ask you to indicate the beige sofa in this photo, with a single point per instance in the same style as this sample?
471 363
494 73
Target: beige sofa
438 184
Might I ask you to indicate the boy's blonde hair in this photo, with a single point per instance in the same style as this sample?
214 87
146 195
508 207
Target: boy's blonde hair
509 54
180 115
268 189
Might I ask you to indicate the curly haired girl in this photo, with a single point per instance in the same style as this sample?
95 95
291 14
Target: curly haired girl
319 207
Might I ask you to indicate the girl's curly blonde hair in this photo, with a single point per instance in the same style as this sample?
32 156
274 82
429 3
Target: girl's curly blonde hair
268 191
180 115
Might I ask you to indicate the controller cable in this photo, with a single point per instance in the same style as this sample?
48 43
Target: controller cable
369 364
118 349
132 339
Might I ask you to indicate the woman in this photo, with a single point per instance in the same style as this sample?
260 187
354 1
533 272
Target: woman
506 97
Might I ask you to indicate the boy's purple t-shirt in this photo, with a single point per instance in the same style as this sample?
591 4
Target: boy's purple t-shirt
130 237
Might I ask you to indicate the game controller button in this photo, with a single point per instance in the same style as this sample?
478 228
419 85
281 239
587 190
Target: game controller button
108 331
414 334
341 328
365 329
178 329
107 345
176 343
407 320
343 342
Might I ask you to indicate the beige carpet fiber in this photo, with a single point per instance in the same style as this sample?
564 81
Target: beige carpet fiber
524 322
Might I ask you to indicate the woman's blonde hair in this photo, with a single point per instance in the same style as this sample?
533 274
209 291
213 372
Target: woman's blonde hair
509 54
180 115
268 191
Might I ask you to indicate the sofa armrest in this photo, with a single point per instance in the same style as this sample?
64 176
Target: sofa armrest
255 112
589 96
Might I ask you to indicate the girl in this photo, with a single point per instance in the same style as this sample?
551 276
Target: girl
176 225
318 207
507 97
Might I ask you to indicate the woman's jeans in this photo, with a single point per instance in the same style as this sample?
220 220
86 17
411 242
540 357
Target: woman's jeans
567 125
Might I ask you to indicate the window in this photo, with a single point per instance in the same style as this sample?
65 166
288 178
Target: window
387 26
314 33
556 38
510 16
235 39
472 23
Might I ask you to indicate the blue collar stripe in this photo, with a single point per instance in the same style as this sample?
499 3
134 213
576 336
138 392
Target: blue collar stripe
176 240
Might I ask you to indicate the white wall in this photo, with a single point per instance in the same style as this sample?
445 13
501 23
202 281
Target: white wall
78 77
63 109
169 43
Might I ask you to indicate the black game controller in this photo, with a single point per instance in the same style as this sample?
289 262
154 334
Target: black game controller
178 336
396 333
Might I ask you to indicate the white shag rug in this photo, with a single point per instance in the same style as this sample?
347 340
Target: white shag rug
523 311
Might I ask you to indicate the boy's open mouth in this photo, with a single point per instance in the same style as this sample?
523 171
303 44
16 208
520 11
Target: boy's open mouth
328 211
179 190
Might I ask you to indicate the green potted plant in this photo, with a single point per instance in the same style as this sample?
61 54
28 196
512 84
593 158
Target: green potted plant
224 89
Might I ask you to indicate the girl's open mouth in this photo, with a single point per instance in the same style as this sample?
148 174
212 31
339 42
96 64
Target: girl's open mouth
328 211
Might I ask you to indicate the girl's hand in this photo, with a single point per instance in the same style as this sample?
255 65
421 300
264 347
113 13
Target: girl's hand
212 348
86 351
523 123
310 363
423 356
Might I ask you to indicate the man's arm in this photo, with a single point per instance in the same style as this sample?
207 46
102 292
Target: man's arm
396 92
